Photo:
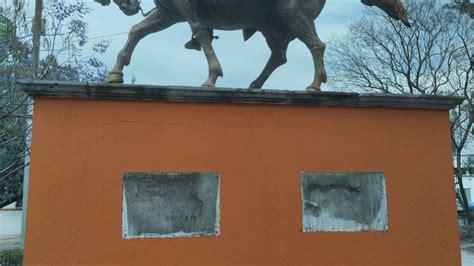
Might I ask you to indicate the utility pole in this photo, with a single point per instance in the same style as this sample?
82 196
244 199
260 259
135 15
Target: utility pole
37 31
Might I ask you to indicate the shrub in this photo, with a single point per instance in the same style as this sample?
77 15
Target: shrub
11 257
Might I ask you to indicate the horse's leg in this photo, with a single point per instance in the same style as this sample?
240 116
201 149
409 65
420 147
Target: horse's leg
215 69
187 9
304 29
154 22
306 32
278 46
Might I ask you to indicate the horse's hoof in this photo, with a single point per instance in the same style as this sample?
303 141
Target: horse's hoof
208 86
115 77
313 89
210 82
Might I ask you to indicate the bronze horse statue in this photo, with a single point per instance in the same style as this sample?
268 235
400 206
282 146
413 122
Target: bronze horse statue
280 22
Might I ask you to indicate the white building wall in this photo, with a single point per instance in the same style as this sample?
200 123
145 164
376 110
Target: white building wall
468 182
10 222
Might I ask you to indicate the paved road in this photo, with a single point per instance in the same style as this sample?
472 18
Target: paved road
467 257
467 252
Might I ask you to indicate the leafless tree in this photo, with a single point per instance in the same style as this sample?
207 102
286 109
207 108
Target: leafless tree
464 6
434 57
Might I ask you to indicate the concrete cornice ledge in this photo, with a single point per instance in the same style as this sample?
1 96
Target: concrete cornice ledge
56 89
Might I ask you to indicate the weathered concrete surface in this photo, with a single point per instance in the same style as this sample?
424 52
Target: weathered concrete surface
344 202
161 205
55 89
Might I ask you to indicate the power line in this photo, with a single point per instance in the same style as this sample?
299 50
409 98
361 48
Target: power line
96 37
37 29
110 35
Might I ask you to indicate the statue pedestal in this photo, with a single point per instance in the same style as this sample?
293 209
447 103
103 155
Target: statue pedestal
167 175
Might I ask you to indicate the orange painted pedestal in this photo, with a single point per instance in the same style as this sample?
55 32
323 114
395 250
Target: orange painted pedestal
82 148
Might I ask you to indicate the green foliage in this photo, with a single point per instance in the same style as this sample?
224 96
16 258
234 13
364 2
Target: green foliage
11 257
63 41
13 130
14 63
3 29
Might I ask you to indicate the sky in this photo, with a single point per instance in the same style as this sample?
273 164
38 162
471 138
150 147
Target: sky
161 59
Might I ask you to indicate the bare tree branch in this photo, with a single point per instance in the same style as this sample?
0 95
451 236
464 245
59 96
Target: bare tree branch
434 57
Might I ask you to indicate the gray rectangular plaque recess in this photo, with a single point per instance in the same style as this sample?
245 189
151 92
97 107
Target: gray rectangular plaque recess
344 202
170 205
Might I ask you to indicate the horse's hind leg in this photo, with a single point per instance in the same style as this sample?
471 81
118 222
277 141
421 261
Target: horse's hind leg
306 32
154 22
278 44
304 29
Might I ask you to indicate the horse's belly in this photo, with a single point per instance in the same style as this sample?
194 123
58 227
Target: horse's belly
236 14
231 23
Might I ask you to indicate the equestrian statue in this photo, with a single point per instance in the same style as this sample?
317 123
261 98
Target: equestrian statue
280 22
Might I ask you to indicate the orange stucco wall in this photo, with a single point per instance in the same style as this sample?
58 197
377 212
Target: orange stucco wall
82 148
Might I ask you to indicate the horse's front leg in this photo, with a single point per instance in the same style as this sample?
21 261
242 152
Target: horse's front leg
188 9
154 22
215 69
